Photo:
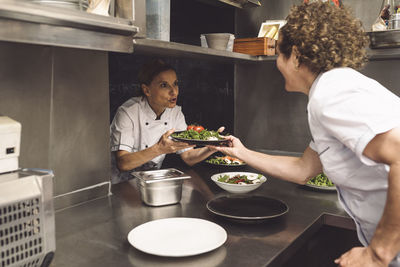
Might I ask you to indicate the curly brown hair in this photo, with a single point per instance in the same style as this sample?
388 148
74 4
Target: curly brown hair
326 37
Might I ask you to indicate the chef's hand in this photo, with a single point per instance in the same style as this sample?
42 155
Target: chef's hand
166 145
359 257
212 148
233 149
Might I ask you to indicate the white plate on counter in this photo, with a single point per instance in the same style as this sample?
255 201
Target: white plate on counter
177 237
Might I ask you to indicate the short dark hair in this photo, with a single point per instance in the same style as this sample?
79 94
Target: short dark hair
151 69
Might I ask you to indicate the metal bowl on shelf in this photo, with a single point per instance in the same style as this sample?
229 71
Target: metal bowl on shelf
217 41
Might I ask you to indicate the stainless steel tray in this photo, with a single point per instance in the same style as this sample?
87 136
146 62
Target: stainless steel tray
384 39
160 175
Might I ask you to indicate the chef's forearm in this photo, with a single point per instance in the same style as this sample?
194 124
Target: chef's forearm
193 156
290 168
386 240
133 160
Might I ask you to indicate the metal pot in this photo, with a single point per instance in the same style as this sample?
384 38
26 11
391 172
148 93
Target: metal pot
396 21
160 187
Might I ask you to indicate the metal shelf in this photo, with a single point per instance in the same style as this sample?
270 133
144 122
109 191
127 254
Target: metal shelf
183 50
383 54
233 3
46 25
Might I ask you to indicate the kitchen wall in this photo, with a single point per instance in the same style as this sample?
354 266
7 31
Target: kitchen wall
266 116
206 86
65 101
248 21
60 96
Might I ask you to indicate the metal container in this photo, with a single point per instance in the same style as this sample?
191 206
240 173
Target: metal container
160 187
69 4
27 228
395 21
385 39
158 19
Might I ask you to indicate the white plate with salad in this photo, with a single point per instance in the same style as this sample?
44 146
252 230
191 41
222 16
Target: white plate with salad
321 182
239 182
203 137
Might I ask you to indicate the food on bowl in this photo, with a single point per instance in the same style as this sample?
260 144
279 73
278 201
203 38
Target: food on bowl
238 182
321 180
226 160
240 179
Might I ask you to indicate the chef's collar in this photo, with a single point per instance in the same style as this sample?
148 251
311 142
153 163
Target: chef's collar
314 84
150 112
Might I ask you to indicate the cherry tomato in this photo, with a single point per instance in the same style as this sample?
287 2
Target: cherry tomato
198 128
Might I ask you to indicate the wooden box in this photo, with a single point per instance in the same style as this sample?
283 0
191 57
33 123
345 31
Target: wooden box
255 46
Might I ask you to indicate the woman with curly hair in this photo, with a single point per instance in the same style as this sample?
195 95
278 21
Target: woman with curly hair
354 123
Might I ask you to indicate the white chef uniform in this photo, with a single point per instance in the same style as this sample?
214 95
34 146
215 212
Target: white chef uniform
346 110
135 128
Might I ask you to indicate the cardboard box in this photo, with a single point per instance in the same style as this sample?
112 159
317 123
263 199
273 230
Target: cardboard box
260 46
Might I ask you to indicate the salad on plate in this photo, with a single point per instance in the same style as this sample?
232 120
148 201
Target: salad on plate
226 161
321 181
197 134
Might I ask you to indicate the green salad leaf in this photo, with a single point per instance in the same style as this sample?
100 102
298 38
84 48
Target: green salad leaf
193 135
236 179
321 180
224 161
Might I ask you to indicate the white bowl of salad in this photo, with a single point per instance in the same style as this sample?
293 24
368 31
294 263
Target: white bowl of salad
239 182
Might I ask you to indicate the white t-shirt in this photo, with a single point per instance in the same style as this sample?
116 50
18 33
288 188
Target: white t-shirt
346 110
135 128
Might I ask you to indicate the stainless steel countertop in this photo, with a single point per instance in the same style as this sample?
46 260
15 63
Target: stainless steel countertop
95 233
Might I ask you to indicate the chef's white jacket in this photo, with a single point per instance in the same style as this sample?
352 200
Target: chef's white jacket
135 128
346 110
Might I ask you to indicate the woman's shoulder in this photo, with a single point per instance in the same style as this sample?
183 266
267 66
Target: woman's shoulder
132 103
331 88
348 80
341 80
338 75
175 112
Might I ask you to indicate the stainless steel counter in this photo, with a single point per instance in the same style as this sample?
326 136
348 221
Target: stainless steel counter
95 233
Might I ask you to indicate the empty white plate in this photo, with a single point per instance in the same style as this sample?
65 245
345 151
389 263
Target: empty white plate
177 237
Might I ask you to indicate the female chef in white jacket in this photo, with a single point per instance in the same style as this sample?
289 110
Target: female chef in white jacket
141 127
355 127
